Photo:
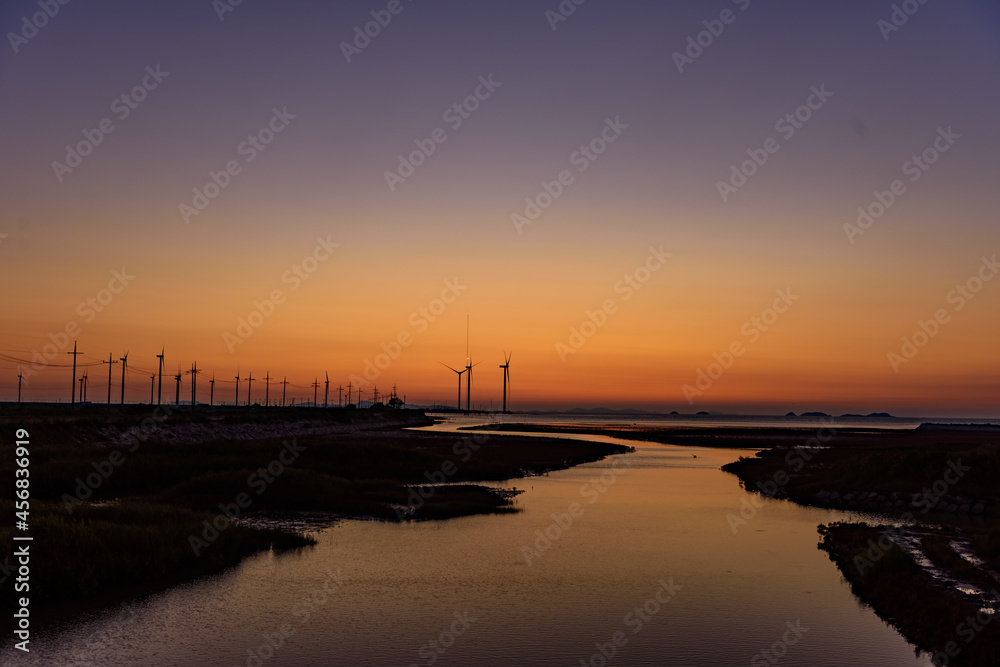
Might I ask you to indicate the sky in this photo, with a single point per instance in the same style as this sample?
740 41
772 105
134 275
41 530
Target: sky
648 205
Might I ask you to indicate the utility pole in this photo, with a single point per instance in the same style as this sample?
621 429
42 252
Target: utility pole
237 403
348 393
267 389
249 387
326 394
124 361
315 388
159 392
72 400
284 386
109 362
340 393
177 396
194 378
19 376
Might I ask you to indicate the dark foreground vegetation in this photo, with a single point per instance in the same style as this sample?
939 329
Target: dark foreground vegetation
929 564
122 503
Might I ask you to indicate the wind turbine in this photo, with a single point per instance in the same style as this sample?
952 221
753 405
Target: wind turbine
506 378
211 393
459 373
326 393
124 361
152 386
237 403
159 391
19 376
249 386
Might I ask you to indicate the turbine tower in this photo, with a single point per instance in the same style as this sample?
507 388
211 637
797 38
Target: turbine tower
211 393
506 378
19 376
459 373
237 403
152 387
249 387
326 392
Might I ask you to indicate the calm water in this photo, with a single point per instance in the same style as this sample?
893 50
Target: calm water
657 517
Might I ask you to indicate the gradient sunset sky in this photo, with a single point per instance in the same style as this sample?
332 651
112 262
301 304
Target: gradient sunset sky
891 95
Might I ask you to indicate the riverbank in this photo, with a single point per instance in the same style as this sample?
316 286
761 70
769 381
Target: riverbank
927 556
130 501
